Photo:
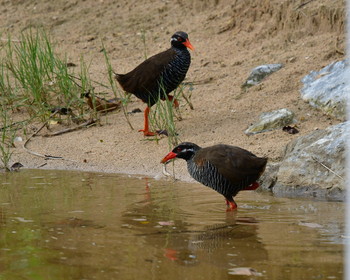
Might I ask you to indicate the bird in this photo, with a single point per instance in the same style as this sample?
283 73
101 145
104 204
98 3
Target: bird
159 75
101 104
226 169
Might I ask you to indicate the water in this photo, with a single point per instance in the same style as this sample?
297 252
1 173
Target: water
75 225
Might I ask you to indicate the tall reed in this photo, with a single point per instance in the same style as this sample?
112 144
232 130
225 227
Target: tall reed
123 96
164 115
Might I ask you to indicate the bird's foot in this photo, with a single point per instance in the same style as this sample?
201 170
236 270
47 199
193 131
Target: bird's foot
147 133
252 187
162 132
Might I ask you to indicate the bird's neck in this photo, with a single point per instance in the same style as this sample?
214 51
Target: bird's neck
181 50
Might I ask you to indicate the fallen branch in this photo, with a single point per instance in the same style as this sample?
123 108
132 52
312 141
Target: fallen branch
336 174
41 155
85 124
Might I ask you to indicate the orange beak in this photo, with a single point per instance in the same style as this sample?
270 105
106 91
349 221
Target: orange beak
188 44
168 157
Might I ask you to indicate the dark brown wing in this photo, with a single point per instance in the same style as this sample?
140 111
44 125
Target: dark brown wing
143 80
235 164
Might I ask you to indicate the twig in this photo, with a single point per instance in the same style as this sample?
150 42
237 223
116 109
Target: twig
11 125
79 79
124 108
336 174
12 40
167 174
337 49
188 101
41 155
85 124
303 4
42 165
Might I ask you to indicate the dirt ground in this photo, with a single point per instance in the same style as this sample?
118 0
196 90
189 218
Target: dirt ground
230 38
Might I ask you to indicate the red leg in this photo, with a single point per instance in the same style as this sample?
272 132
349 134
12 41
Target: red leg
171 254
252 187
146 131
148 191
231 205
176 106
171 98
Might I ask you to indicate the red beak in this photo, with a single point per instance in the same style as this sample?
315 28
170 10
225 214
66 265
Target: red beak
168 157
188 44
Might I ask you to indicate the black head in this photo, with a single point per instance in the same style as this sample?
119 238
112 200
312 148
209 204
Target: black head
185 150
180 40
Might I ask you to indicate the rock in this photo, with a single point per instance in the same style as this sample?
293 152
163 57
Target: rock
328 89
259 73
271 120
314 165
268 179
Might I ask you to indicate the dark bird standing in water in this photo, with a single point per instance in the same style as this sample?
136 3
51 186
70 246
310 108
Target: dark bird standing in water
159 75
226 169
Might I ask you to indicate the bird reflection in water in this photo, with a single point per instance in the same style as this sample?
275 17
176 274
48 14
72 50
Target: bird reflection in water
164 226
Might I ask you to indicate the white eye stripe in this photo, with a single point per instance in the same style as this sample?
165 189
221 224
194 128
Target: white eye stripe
173 39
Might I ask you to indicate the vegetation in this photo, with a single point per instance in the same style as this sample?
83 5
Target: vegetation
7 136
124 97
163 114
37 82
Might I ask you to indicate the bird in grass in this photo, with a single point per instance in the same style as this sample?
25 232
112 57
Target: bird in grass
159 75
101 104
224 168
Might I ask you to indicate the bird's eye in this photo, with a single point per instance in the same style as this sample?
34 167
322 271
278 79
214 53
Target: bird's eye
178 149
179 39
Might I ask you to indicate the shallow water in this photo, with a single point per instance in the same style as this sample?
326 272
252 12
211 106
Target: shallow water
75 225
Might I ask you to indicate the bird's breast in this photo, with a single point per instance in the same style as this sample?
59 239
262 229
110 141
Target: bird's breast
175 72
208 175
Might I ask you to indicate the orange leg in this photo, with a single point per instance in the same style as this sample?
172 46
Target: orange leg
171 254
231 205
176 106
171 98
146 131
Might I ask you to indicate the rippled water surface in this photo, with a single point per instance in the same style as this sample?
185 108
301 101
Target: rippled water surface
75 225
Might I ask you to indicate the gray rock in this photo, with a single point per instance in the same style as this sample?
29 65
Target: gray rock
328 89
314 165
271 120
268 179
259 73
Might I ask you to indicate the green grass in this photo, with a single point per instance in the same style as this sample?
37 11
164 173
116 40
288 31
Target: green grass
37 77
7 136
34 81
164 116
124 97
144 44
